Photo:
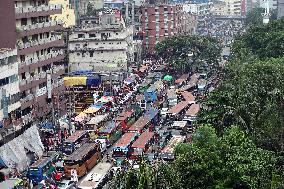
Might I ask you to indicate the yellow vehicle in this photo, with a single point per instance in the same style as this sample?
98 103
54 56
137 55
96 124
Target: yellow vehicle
82 160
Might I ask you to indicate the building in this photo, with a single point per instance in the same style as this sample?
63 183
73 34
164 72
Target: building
8 27
162 21
199 9
68 14
40 63
271 3
228 7
101 43
280 11
9 86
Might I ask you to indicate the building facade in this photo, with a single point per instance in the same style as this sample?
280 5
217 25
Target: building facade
199 9
68 14
228 7
40 63
162 21
271 3
9 86
101 43
280 12
8 27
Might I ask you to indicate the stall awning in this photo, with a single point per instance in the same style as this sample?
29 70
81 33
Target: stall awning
74 81
91 110
80 117
93 81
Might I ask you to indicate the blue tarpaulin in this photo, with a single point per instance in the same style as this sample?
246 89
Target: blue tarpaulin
47 125
152 112
83 72
93 81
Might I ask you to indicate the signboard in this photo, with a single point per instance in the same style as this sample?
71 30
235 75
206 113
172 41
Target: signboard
48 85
5 104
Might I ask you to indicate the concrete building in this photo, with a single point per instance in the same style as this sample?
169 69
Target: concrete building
280 11
199 9
162 21
68 14
272 4
8 27
101 43
227 7
40 64
9 86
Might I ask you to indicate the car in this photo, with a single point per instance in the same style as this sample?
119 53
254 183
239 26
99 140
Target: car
66 184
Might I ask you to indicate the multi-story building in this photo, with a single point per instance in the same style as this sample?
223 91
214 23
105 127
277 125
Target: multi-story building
162 21
271 3
9 86
219 8
227 7
280 12
67 15
101 43
197 8
40 64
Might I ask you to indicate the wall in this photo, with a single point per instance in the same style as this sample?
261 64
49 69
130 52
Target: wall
7 23
68 14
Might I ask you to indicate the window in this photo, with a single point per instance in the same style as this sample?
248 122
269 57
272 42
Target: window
92 35
91 53
81 36
78 54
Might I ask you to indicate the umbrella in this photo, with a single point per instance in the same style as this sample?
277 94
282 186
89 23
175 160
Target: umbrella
168 78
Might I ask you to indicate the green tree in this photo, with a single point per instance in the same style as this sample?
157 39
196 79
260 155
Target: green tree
177 51
254 17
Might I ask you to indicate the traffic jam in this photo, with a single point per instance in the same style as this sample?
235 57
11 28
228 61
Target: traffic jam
156 113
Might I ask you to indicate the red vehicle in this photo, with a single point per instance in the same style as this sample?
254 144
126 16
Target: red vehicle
121 148
124 119
141 145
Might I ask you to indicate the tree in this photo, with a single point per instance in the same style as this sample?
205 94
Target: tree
264 41
254 17
90 10
176 51
251 97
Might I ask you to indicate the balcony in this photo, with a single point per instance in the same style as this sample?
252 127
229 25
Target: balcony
25 84
58 86
32 46
27 101
43 10
37 28
58 71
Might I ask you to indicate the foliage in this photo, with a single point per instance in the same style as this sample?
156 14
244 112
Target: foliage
254 17
265 41
176 50
230 161
251 97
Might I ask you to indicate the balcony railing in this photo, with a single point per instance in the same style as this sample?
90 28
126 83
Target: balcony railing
41 91
28 9
41 25
38 42
57 68
27 98
41 58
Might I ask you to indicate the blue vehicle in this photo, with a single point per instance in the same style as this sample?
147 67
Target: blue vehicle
40 169
151 94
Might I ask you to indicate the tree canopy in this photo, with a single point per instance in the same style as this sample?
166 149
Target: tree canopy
185 52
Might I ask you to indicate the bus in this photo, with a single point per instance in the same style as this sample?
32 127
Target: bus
172 97
168 152
141 124
128 117
180 81
39 169
98 177
188 96
96 122
74 141
141 145
179 108
191 114
111 132
82 160
122 146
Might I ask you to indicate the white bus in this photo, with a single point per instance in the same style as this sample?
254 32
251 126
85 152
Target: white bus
168 152
97 177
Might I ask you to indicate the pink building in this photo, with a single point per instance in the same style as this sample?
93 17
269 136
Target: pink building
162 21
